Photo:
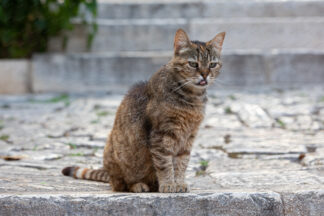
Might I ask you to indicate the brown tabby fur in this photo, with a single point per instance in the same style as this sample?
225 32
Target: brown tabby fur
157 121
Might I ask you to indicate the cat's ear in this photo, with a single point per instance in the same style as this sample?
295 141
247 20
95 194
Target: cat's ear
217 41
181 41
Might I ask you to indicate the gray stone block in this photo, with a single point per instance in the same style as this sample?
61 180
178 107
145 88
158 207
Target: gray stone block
226 203
242 33
263 33
84 72
216 9
304 203
14 76
136 35
239 203
289 68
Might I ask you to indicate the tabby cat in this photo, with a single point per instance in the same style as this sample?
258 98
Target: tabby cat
156 123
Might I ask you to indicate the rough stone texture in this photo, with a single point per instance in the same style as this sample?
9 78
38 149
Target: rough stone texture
267 204
79 72
106 71
242 33
250 24
112 9
258 152
14 76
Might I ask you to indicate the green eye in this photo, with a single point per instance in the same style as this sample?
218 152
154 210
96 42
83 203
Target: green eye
193 64
212 65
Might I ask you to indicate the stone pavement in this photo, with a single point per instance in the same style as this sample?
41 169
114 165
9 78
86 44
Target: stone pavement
257 153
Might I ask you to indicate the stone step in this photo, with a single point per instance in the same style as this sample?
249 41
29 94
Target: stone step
205 203
107 71
242 33
113 9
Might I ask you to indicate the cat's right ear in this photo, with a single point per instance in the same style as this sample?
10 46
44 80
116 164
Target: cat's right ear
181 41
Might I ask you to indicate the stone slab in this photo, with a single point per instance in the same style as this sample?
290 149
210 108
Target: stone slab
211 8
153 204
242 33
14 76
113 71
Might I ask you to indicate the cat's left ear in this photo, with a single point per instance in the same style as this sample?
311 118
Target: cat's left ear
217 41
181 41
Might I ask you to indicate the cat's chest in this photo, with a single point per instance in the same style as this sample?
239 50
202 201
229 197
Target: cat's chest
187 120
180 119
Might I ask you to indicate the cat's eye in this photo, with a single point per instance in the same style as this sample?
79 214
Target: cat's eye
212 65
193 64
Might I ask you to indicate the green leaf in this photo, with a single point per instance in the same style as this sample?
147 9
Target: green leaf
39 20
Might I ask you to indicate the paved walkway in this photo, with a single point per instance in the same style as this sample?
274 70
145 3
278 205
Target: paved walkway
256 153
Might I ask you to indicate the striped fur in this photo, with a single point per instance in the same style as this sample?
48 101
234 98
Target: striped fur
100 175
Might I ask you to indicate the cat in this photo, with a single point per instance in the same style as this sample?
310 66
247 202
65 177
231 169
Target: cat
149 147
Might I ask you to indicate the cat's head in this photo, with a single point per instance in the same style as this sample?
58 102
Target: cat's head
197 63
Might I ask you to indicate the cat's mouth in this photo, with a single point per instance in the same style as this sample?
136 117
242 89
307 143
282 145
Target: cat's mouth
202 83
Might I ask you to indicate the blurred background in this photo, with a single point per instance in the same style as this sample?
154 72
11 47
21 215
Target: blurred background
65 66
107 45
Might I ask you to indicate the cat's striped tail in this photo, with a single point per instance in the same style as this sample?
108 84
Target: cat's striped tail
85 173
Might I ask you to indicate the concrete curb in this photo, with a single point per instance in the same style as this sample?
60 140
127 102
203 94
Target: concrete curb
144 204
228 203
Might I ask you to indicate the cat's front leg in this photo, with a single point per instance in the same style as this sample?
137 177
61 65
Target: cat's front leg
162 157
180 163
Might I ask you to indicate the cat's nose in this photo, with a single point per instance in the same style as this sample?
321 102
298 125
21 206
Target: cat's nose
203 80
204 74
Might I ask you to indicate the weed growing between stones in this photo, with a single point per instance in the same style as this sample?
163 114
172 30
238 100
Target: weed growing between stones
102 113
232 97
281 123
96 121
72 145
4 137
79 154
228 110
1 125
64 98
202 168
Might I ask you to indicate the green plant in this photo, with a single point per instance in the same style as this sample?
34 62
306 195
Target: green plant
281 123
102 113
4 137
27 25
228 110
204 164
202 168
72 145
60 98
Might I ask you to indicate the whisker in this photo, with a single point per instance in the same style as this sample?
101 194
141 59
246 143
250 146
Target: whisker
217 81
184 80
176 89
222 81
219 84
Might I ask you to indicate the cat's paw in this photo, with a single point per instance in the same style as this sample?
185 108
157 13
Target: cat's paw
182 188
139 188
167 188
